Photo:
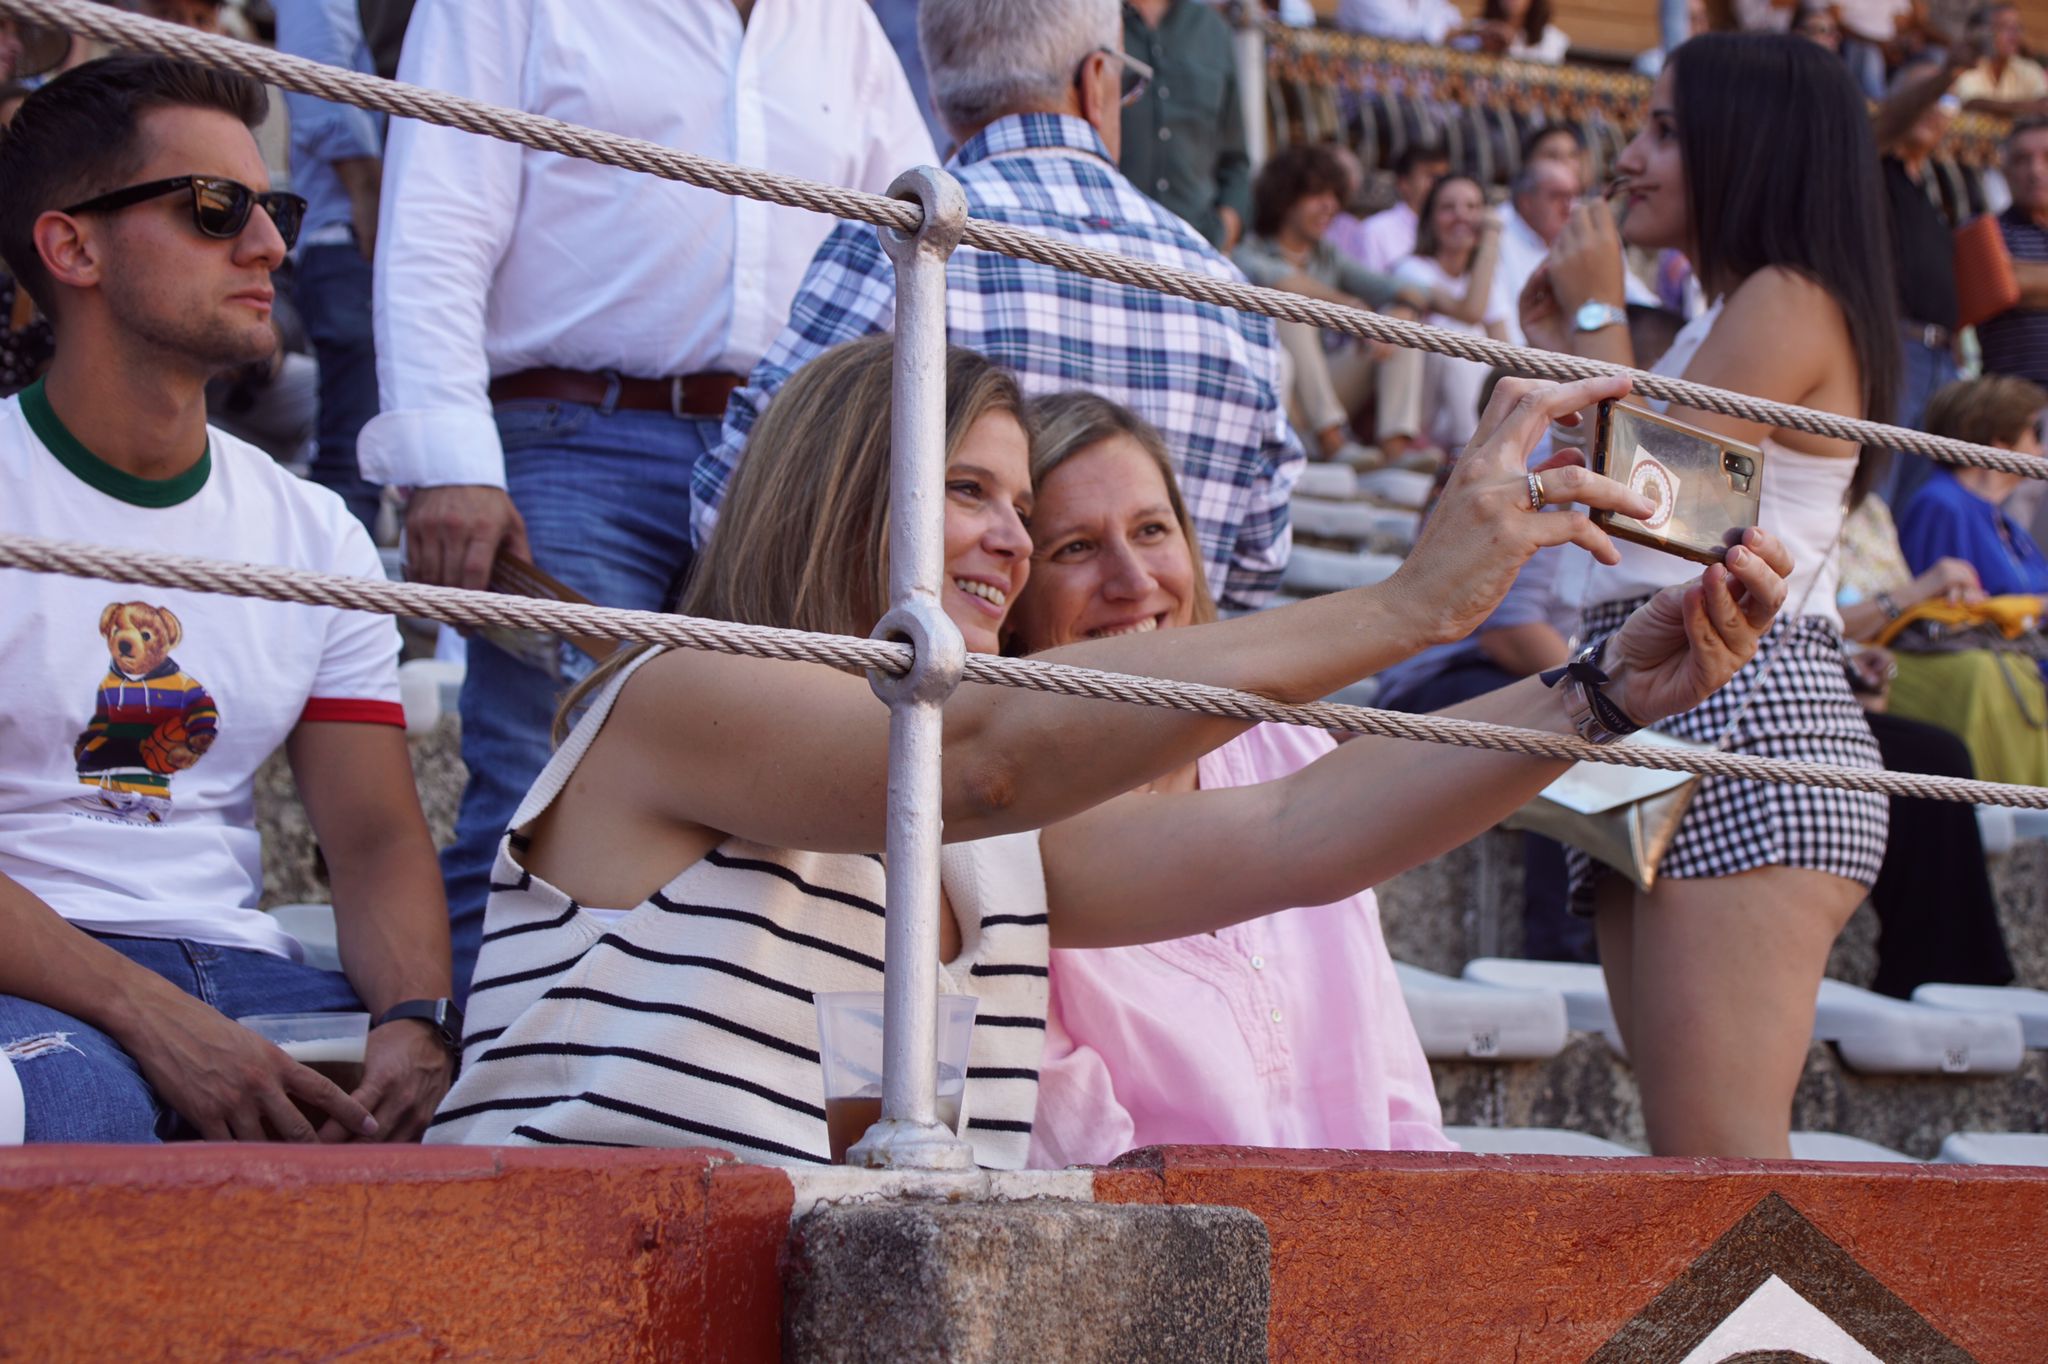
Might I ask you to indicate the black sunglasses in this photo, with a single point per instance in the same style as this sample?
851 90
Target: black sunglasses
220 208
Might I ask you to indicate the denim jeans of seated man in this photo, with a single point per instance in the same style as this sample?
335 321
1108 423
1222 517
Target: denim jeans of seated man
606 499
334 300
1924 371
76 1082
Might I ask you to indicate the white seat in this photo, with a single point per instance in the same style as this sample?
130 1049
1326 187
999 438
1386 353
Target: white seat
1996 829
1534 1141
1836 1146
1584 987
2029 1006
1994 1148
1327 480
2030 825
313 926
1883 1036
1457 1019
1310 569
1397 487
429 688
1352 520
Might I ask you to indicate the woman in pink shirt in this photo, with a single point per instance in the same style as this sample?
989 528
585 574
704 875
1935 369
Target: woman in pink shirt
1288 1030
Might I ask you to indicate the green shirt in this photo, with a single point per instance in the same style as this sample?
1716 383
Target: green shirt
1184 140
1264 264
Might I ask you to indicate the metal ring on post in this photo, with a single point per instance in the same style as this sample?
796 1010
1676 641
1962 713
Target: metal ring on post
945 214
938 654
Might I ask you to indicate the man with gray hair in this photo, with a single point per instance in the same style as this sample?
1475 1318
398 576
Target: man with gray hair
1035 90
1541 199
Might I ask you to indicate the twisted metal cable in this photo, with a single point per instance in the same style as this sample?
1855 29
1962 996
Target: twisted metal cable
636 154
458 606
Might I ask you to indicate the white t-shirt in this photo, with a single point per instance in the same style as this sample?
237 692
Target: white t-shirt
132 718
1424 270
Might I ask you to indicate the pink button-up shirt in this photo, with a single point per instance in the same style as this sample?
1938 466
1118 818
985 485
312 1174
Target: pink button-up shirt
1288 1030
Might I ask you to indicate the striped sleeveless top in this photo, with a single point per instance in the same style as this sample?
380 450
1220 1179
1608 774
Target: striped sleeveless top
687 1020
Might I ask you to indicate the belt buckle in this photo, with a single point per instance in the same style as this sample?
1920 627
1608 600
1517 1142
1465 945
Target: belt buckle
675 397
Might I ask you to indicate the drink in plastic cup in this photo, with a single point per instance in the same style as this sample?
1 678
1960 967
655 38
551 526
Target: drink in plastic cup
850 1048
329 1043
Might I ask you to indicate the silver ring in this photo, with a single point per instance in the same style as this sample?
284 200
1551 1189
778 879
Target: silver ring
1536 492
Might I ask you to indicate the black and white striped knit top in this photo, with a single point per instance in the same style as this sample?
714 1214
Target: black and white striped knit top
687 1020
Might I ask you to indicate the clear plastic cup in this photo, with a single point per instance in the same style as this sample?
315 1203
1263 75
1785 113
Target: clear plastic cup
850 1048
329 1043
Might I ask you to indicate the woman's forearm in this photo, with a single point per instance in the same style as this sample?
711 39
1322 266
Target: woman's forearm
1366 812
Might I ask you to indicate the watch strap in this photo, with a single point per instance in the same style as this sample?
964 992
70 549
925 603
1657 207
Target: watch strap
442 1015
1593 712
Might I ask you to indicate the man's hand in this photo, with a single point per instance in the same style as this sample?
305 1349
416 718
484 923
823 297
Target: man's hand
1685 643
230 1083
454 533
406 1070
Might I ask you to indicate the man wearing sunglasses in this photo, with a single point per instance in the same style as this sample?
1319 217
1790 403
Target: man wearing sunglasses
138 215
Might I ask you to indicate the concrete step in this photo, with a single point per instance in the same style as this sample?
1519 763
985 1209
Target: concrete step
1313 570
1379 528
1457 1018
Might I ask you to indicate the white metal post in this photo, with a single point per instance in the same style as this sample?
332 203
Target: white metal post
1250 50
909 1135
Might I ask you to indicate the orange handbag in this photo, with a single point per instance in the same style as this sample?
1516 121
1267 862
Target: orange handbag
1985 283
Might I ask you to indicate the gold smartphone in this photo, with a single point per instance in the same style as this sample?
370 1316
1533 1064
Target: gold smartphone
1708 489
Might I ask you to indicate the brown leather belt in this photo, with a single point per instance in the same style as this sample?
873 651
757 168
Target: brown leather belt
683 395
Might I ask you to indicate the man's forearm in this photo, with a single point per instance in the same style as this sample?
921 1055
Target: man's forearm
64 968
391 923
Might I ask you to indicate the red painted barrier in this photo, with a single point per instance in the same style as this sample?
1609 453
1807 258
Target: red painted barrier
1381 1256
375 1254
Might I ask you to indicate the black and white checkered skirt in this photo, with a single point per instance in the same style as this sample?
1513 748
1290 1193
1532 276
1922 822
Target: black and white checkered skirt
1805 710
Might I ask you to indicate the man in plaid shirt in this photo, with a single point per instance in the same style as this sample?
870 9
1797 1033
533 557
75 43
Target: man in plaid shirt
1039 117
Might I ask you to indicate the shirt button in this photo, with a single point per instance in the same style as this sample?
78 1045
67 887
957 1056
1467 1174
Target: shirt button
1166 134
1258 963
1164 184
1276 1015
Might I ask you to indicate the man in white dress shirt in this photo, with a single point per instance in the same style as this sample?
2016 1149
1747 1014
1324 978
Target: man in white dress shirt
556 339
1541 201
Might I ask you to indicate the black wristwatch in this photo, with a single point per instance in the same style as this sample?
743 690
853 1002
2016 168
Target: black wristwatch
439 1014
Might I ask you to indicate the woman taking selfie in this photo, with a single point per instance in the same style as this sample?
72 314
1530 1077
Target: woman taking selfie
1757 162
1287 1030
700 856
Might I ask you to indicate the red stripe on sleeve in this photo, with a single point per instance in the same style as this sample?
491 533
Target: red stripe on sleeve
335 710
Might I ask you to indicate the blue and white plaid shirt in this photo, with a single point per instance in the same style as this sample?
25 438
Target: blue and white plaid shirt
1206 376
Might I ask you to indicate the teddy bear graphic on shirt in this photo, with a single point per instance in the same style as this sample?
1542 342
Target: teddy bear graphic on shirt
150 718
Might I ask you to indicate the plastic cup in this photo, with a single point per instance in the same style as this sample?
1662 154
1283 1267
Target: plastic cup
850 1048
329 1043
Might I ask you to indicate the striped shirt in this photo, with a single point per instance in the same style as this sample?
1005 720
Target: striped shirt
687 1020
1206 376
2016 341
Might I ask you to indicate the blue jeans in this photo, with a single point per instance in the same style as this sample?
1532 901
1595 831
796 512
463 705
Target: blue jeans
606 498
1923 373
76 1082
334 299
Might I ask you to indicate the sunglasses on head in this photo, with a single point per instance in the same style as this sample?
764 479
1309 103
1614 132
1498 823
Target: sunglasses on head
220 208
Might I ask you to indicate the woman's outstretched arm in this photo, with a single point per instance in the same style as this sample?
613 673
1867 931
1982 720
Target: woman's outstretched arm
794 755
1148 867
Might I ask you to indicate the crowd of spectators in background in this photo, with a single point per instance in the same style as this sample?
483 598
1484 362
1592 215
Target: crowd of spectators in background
652 422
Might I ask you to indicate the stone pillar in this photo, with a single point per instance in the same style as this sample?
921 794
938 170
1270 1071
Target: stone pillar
1044 1280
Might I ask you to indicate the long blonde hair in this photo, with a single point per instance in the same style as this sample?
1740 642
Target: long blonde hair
1062 425
802 539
